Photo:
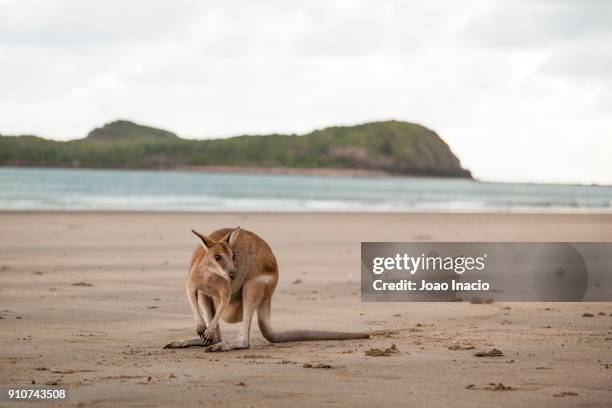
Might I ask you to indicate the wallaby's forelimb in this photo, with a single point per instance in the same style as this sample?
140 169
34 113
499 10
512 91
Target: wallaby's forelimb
192 295
209 333
208 308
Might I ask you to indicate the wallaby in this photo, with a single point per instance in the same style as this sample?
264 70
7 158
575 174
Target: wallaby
233 273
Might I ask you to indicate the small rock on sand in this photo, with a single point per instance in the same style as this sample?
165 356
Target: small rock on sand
587 315
565 394
319 365
81 284
490 353
461 347
376 352
481 301
491 387
499 387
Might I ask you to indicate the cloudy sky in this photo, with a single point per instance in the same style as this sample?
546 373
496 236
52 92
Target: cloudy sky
521 90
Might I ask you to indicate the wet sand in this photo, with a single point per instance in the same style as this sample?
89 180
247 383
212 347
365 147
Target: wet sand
88 299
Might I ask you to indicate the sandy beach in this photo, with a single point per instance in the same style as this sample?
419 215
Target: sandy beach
87 300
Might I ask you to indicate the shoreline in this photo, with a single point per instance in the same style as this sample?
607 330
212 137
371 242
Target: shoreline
301 171
249 170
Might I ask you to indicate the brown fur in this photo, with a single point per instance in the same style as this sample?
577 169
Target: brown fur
232 275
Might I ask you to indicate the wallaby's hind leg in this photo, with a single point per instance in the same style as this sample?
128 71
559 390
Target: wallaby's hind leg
252 296
195 342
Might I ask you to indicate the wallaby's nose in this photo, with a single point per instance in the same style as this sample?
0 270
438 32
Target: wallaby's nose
232 274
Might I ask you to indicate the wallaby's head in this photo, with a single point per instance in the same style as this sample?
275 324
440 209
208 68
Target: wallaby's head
219 256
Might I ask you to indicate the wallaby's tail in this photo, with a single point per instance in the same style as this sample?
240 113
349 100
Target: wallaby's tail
263 318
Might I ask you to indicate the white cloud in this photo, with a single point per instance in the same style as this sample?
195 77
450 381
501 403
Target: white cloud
65 23
520 90
537 24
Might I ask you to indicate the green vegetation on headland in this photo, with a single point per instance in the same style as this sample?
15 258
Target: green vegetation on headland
392 147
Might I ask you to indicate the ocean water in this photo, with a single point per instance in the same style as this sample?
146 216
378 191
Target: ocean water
79 189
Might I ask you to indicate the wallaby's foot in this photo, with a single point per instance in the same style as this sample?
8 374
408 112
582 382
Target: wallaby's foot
201 329
217 347
174 345
234 345
210 336
196 342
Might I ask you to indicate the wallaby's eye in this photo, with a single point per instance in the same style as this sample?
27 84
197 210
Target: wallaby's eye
233 257
217 258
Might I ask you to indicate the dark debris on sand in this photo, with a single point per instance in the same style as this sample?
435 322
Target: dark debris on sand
461 347
490 353
499 387
388 352
320 365
565 394
491 387
481 301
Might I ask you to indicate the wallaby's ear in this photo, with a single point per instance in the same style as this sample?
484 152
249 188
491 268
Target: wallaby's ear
231 237
204 240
